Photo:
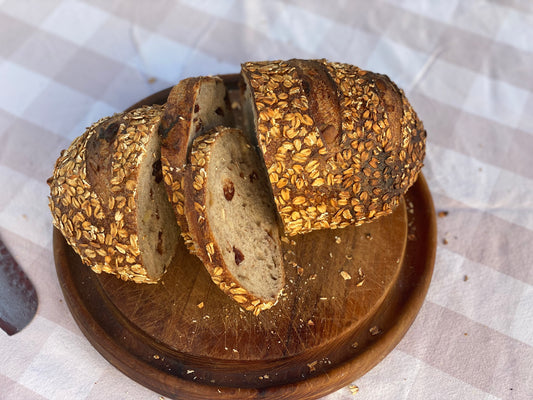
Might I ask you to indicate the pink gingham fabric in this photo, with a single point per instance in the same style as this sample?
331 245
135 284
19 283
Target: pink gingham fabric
467 68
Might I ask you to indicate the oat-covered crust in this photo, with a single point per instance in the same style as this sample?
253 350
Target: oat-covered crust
93 192
341 144
208 249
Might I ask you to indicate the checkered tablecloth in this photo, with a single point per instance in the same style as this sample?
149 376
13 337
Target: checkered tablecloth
467 68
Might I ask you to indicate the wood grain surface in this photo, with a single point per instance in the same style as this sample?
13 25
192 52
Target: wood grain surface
351 295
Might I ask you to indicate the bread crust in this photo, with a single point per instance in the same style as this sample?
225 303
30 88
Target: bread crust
332 171
93 193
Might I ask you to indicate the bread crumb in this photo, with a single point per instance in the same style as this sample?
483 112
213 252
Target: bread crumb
368 236
345 275
354 345
310 323
312 366
445 241
156 357
338 240
313 277
200 305
442 214
190 371
374 330
354 389
300 271
465 278
152 80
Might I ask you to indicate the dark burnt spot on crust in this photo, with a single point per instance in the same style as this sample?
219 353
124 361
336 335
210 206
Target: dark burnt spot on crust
109 132
157 172
239 257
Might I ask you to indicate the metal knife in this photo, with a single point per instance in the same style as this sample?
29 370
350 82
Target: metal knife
18 299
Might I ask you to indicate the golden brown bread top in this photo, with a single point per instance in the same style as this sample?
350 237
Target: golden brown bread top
341 144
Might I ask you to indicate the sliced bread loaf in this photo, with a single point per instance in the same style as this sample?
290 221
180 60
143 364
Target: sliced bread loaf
232 218
194 106
108 200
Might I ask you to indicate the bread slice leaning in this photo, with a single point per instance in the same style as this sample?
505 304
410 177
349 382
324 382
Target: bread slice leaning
233 220
193 106
108 200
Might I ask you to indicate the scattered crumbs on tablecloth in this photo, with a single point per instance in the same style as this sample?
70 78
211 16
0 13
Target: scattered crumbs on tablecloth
354 389
444 241
152 80
345 275
200 305
338 240
374 330
466 334
443 214
465 278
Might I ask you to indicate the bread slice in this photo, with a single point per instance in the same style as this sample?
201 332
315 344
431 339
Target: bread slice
233 220
194 106
340 144
108 200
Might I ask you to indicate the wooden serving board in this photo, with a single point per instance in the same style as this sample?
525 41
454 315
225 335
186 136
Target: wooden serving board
351 295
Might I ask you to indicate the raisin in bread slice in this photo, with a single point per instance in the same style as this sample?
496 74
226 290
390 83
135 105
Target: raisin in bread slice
108 200
233 220
193 106
341 145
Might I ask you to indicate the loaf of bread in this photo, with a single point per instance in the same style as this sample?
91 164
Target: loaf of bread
232 218
312 145
340 144
193 106
108 200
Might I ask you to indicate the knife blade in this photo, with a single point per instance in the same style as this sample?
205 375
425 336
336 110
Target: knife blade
18 298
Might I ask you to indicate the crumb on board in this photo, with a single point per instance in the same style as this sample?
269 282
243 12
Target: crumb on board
442 214
445 241
338 240
368 236
355 345
313 277
465 278
200 305
375 330
310 323
312 366
156 357
300 271
345 275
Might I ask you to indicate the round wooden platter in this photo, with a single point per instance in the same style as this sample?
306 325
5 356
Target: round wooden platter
351 295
